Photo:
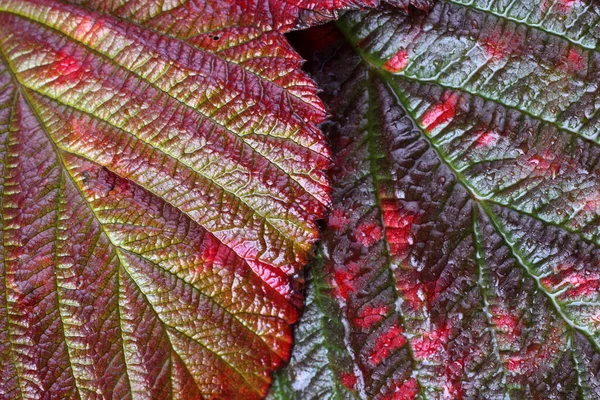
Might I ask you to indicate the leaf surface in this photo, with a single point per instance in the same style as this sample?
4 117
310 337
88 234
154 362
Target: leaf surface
462 254
159 191
192 17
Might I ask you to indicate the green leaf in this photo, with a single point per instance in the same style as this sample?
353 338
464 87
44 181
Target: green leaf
319 358
463 249
159 190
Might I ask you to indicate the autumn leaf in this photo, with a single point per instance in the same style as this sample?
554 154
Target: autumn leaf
461 258
160 187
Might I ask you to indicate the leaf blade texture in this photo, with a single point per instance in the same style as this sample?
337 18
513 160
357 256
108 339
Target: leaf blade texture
159 198
461 255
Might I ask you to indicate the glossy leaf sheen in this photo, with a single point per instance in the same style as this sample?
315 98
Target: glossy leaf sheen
160 181
462 254
188 17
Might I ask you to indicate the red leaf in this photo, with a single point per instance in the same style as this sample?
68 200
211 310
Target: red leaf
161 178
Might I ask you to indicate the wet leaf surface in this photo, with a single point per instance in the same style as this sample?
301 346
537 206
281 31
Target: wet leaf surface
461 258
161 176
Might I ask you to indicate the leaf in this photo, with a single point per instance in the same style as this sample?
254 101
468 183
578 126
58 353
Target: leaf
462 254
308 13
318 357
193 17
159 198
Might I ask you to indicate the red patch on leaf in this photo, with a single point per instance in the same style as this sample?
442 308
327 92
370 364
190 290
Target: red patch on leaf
344 284
561 277
442 113
575 59
506 322
486 139
592 203
538 355
500 45
564 6
368 233
554 169
453 390
545 163
398 227
531 359
583 290
514 364
348 380
341 169
539 162
389 341
397 62
416 293
370 316
580 283
406 390
545 6
67 64
494 49
337 220
572 61
431 343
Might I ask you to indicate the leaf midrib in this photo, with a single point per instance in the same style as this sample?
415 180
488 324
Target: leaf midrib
374 166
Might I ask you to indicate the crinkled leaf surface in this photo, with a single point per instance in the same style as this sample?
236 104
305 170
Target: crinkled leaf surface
210 18
307 13
462 255
159 187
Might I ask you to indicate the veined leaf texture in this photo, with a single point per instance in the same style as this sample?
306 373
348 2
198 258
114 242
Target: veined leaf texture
161 175
461 258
